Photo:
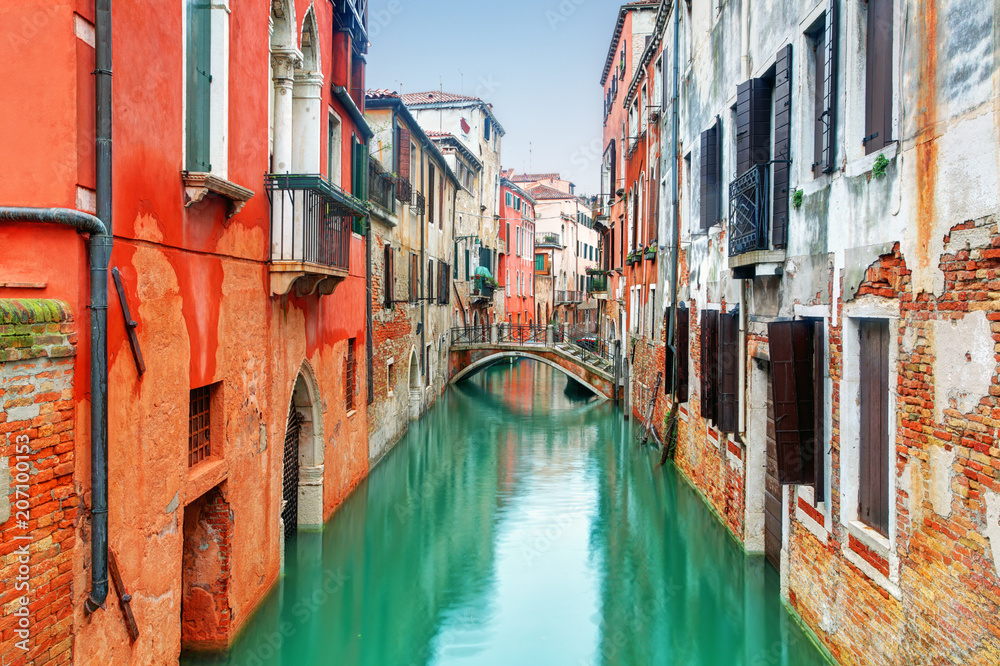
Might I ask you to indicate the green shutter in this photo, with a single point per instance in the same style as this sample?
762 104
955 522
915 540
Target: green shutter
199 85
359 180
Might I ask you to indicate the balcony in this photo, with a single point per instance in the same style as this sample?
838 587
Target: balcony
310 233
418 205
483 289
749 223
563 296
404 190
381 191
548 240
598 288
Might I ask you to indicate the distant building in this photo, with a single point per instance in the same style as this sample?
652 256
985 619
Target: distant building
517 258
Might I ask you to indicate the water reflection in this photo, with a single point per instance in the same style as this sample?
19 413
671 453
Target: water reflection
518 524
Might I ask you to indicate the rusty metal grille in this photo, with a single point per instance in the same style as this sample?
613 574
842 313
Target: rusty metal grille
349 372
748 212
199 426
290 473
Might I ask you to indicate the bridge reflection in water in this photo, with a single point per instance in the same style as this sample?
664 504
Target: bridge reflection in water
518 524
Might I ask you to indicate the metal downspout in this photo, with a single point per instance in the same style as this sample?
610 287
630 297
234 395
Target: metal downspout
100 255
675 250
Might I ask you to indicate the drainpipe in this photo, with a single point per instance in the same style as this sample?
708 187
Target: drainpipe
100 257
674 214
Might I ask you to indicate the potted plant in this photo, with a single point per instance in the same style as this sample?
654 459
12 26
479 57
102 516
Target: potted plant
651 251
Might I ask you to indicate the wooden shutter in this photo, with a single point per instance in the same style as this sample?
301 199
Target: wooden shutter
829 87
680 357
390 277
710 176
878 76
728 369
441 201
873 482
782 145
199 85
430 280
753 124
467 264
430 194
403 154
709 364
819 410
791 353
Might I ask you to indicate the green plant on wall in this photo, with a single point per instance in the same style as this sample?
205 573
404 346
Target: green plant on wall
797 199
878 169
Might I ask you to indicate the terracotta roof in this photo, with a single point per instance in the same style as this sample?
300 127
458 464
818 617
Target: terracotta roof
432 133
436 97
532 177
546 192
380 93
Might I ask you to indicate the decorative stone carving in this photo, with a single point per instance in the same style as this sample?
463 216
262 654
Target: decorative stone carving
197 185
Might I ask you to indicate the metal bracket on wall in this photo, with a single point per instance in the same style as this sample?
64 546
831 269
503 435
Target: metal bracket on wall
130 324
124 598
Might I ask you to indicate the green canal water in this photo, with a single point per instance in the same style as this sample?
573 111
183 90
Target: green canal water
518 523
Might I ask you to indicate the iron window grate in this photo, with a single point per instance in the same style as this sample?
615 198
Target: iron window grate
199 426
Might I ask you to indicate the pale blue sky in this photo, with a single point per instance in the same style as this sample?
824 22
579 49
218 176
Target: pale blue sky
538 61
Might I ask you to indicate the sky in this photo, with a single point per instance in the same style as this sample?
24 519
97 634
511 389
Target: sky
538 61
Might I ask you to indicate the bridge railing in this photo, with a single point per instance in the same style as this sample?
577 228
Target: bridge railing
470 335
595 346
523 334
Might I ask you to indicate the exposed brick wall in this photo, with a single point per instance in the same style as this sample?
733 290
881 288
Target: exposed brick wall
948 610
206 616
38 502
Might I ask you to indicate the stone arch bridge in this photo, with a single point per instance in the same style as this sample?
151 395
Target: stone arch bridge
475 348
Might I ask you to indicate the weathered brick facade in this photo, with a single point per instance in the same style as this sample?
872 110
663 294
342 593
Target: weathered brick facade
38 499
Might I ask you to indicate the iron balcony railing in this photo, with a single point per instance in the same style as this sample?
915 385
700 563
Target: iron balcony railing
419 204
404 190
547 240
563 296
597 285
381 186
482 289
311 220
748 211
523 334
470 335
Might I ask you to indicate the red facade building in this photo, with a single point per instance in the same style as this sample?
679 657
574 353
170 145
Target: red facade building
517 262
231 293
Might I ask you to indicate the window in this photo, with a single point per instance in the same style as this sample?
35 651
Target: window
781 170
509 199
444 284
711 176
507 238
430 194
359 179
709 365
430 278
728 369
517 247
390 376
389 269
199 425
506 281
333 148
427 365
349 376
540 263
198 111
681 343
414 278
486 129
873 468
878 76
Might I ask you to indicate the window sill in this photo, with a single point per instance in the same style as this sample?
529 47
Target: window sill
865 164
869 551
198 184
203 477
812 518
351 412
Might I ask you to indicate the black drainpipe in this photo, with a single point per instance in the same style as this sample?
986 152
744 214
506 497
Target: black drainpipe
100 249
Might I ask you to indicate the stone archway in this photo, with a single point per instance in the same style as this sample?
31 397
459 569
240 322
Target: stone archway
414 385
303 457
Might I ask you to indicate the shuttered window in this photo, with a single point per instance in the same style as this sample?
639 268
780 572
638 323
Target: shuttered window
828 113
782 145
430 194
818 57
467 263
199 85
388 262
402 159
819 411
441 201
680 357
878 76
728 369
711 175
444 284
753 124
709 364
359 180
414 278
873 482
430 279
793 396
349 376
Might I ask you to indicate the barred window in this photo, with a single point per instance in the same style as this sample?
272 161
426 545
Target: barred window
199 426
349 376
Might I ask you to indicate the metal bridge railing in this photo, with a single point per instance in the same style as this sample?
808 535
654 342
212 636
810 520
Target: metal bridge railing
470 335
523 334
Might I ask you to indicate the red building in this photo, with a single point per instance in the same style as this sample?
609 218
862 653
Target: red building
517 259
235 331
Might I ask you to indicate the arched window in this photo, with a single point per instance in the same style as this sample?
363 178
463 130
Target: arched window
506 282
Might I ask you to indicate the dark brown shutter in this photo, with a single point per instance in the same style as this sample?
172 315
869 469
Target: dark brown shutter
403 152
819 410
782 145
430 194
829 87
873 491
878 76
791 352
753 124
728 371
819 100
709 364
389 276
710 176
441 201
430 281
683 317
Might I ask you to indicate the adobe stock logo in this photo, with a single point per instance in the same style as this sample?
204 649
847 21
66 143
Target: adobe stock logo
380 19
562 13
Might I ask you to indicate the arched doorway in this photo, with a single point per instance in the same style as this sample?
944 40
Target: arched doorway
414 385
302 458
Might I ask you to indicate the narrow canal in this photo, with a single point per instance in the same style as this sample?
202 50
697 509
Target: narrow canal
517 523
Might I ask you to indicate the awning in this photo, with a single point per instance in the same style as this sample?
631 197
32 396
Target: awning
482 271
